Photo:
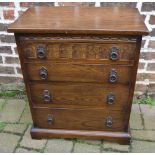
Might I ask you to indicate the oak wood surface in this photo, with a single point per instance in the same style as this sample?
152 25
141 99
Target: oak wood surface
133 80
122 138
88 20
79 72
80 94
79 119
37 115
24 73
78 51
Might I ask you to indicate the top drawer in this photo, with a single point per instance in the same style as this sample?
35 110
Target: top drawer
46 50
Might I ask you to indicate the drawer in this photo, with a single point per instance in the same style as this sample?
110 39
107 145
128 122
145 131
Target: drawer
79 119
82 94
79 72
96 51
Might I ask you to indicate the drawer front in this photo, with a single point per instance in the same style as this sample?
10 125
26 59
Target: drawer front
47 50
78 119
79 72
82 94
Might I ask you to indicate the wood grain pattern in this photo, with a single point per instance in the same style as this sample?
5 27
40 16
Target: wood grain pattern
122 138
88 20
77 50
80 94
78 119
133 80
78 67
25 76
79 72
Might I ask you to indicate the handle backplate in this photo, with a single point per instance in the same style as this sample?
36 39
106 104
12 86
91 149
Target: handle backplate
114 53
46 96
113 76
41 51
50 119
43 73
110 98
109 121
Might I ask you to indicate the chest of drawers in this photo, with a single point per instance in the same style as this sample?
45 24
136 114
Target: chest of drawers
79 66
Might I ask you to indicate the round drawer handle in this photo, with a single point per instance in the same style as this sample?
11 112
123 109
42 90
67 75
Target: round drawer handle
41 51
46 96
110 98
109 121
50 119
113 76
114 53
43 73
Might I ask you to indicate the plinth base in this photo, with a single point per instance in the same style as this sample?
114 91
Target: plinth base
119 137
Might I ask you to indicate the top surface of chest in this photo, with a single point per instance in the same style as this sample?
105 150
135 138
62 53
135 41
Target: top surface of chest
88 20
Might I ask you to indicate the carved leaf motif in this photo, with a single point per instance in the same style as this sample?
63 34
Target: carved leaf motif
62 51
29 51
126 51
102 52
91 54
53 50
77 52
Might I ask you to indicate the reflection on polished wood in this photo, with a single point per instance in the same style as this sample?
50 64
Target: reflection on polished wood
79 66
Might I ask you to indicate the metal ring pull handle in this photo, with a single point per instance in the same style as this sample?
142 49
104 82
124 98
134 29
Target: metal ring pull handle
109 121
41 51
110 98
114 53
113 76
46 96
50 120
43 73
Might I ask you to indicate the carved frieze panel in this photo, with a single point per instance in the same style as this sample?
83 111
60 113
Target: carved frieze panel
80 50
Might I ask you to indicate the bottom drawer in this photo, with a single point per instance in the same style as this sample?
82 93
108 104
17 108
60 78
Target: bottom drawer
79 119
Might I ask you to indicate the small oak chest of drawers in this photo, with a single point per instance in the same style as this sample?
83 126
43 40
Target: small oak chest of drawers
79 66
